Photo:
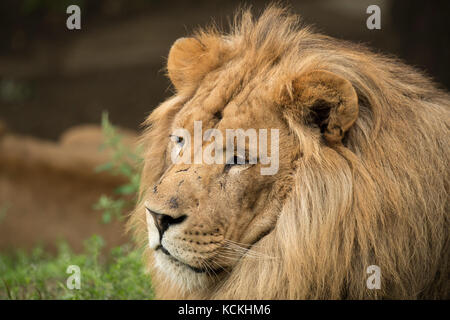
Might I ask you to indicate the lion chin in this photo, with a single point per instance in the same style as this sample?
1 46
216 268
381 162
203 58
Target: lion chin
180 274
358 206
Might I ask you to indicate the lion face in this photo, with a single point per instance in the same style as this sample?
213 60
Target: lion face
203 217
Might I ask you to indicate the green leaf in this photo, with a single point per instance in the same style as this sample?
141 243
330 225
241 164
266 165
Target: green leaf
106 217
104 167
126 189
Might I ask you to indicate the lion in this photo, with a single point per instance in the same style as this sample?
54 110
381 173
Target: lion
362 180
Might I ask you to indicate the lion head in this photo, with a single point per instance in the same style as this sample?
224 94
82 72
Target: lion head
361 176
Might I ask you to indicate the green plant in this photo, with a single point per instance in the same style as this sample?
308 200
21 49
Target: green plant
39 275
124 161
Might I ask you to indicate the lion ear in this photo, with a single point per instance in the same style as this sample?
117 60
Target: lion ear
191 58
326 100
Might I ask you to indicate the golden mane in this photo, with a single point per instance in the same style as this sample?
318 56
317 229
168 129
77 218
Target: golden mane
386 191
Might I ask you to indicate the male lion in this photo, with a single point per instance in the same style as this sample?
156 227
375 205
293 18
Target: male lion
362 180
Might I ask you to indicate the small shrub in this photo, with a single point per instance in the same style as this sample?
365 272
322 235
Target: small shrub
126 162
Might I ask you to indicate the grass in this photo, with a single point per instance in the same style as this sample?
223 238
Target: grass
39 275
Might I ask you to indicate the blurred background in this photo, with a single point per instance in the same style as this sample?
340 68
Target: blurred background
55 83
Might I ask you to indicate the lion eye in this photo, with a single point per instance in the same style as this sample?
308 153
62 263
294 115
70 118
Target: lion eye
236 160
178 140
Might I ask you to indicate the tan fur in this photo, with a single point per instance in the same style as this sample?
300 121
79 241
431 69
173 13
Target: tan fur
371 189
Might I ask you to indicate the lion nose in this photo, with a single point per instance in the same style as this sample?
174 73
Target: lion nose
164 221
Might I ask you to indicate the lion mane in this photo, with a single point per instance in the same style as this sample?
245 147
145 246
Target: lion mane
382 199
